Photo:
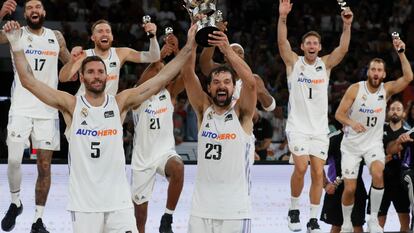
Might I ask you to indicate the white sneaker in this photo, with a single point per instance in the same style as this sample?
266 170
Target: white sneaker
373 226
294 220
347 227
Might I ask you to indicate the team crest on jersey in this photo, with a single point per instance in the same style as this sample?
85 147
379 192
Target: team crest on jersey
228 118
30 38
84 112
364 97
51 41
318 68
302 68
112 64
109 114
163 97
210 116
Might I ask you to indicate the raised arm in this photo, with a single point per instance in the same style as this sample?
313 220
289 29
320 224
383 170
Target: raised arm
248 96
342 112
394 87
69 71
288 56
131 98
64 54
8 8
263 96
54 98
152 55
334 58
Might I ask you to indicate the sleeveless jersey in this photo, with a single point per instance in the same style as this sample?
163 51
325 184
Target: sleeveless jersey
97 180
308 98
222 186
154 130
369 109
113 66
42 53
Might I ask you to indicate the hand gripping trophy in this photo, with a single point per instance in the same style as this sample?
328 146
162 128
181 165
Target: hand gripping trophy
204 13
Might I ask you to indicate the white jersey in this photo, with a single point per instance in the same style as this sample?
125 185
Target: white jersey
308 98
154 131
237 90
222 186
369 109
113 67
97 180
42 53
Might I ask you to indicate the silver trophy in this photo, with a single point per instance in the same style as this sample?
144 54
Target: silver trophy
206 16
396 36
147 19
338 181
169 30
342 4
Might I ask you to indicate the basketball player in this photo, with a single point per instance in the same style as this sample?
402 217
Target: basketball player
114 58
362 112
153 121
99 196
221 199
207 64
307 123
394 191
29 117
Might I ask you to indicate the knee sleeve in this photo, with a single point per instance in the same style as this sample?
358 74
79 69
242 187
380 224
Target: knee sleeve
15 156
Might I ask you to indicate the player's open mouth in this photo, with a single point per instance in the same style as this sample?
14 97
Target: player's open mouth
104 40
34 16
221 95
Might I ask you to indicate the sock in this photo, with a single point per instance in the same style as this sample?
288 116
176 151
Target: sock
376 198
314 209
168 211
15 198
38 212
294 203
346 212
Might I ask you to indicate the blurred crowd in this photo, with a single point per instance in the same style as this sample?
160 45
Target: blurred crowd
252 23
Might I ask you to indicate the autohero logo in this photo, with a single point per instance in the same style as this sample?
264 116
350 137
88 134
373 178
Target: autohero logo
153 112
303 79
97 133
40 52
222 136
370 111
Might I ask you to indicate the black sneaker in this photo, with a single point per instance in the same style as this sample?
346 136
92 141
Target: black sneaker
294 220
165 224
38 227
9 221
313 226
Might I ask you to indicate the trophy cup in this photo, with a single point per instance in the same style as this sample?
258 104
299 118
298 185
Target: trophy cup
396 36
206 15
168 31
342 4
147 19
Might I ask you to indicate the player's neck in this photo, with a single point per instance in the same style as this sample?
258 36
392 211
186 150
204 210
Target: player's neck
395 126
372 89
220 110
36 31
95 99
309 61
101 53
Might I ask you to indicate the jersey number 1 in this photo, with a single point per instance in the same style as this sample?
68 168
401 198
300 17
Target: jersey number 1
310 92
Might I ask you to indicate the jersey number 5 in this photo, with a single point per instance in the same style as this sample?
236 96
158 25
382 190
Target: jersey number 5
96 151
209 152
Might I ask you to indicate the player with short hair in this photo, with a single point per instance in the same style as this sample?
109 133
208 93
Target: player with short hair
362 111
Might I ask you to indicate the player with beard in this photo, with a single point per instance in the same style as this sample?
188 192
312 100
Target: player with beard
113 57
221 199
395 191
99 195
29 117
307 124
362 112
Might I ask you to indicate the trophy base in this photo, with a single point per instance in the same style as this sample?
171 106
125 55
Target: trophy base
202 35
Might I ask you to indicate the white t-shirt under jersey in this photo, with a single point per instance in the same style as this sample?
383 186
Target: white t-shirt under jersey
42 53
308 98
97 180
154 136
369 109
113 67
222 185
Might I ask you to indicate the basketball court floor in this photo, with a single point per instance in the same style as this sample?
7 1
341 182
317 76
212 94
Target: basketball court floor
270 200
